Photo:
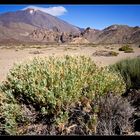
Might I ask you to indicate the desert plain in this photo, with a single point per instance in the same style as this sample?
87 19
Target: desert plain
10 55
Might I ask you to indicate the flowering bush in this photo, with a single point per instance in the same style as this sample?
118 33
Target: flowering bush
54 85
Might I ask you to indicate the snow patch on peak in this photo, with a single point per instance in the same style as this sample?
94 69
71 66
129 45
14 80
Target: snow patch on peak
31 10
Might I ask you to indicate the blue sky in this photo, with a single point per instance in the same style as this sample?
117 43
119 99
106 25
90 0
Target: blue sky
94 16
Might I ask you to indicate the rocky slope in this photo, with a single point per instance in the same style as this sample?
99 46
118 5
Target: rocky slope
117 34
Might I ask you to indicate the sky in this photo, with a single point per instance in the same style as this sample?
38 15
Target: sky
93 16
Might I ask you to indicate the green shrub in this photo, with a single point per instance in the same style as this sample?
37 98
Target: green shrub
105 53
53 85
129 51
130 71
38 47
112 53
126 48
10 113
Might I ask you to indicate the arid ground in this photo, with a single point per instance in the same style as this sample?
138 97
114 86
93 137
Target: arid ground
11 55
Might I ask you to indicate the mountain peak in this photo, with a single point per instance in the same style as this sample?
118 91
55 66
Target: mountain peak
31 10
37 19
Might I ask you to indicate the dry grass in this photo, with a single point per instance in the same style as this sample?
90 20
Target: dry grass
113 116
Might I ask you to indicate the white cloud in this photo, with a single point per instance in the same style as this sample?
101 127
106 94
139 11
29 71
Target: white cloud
55 11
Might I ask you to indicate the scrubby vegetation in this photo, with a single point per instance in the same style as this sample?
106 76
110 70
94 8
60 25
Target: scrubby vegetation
129 51
56 96
126 49
130 71
35 52
70 96
112 53
10 113
114 115
105 53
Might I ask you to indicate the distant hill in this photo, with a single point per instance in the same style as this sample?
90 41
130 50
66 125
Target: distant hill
114 34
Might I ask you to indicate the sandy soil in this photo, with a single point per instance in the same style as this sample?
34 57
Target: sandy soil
10 56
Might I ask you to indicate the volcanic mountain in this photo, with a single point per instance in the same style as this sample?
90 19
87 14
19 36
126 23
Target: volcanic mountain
20 24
